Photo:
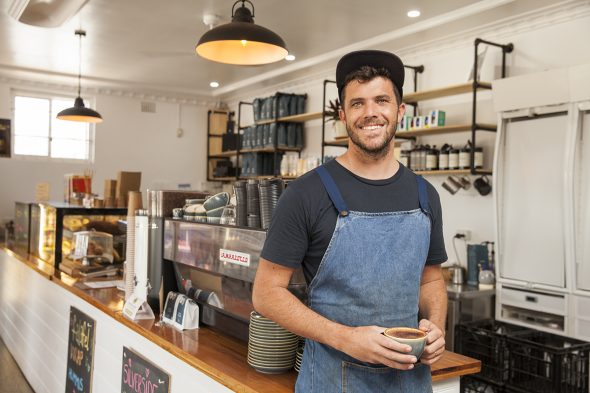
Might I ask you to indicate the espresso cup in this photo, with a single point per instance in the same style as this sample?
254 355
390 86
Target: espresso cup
482 185
415 338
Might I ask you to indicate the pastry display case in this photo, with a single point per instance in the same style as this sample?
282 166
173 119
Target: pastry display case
22 218
53 225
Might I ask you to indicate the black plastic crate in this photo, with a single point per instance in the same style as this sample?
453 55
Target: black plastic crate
473 384
485 340
547 363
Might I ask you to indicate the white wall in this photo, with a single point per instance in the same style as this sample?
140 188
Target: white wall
540 41
127 140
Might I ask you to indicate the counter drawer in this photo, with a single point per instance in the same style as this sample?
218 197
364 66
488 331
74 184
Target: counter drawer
531 300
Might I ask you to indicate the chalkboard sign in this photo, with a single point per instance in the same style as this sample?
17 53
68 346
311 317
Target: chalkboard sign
141 376
80 352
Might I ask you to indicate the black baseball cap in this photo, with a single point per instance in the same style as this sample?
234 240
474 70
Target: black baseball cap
373 58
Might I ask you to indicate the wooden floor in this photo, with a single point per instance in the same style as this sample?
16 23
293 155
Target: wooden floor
12 380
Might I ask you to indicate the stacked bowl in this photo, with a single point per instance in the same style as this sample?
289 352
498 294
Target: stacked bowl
271 349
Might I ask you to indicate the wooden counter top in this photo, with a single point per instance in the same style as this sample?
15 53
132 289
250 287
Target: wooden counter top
220 357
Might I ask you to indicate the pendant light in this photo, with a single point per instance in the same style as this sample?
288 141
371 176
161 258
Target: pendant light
242 42
79 112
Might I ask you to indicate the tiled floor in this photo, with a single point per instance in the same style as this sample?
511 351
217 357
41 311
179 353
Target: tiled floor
12 379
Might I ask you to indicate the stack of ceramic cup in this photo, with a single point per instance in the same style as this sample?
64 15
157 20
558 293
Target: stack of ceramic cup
253 204
241 203
299 354
271 349
270 190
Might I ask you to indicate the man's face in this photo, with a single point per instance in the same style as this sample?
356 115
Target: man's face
370 112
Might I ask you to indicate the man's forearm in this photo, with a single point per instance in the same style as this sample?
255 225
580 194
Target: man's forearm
433 301
284 308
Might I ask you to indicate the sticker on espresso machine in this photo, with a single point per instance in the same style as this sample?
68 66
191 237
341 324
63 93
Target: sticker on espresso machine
235 257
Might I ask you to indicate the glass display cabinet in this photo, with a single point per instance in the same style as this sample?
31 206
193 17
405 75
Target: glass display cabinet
52 228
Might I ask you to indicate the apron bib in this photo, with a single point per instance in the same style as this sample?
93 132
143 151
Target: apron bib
369 275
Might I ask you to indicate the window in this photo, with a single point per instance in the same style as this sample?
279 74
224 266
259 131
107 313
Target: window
38 133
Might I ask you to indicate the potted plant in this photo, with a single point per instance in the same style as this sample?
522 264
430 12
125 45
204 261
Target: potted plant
332 113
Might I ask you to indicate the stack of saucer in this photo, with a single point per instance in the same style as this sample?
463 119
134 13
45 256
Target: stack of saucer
299 356
271 349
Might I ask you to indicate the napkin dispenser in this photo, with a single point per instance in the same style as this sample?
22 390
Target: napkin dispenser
181 312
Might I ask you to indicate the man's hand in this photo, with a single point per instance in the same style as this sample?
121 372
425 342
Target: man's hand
368 344
435 342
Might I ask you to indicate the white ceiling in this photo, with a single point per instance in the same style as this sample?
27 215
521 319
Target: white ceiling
150 43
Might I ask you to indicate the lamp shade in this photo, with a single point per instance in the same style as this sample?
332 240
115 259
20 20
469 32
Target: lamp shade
80 113
242 42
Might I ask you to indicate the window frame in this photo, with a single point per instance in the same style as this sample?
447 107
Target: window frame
49 95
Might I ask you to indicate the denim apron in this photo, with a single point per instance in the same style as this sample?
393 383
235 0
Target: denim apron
369 275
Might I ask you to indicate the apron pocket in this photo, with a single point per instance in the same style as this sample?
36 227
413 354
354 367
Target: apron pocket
357 378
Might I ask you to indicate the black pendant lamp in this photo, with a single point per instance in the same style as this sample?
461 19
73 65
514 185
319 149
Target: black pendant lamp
242 42
79 112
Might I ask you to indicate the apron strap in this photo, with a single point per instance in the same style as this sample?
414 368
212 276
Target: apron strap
423 196
332 190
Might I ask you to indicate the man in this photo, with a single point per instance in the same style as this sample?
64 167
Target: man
368 233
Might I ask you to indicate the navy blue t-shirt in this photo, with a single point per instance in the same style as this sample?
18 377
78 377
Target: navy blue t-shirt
305 217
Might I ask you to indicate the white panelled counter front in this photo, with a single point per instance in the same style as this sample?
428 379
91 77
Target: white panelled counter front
35 306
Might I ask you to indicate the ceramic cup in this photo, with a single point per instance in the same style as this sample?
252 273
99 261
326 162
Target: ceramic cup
415 338
482 185
216 201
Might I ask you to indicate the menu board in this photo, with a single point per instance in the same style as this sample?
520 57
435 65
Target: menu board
141 376
80 352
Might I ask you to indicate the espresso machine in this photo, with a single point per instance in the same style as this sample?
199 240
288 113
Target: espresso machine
159 206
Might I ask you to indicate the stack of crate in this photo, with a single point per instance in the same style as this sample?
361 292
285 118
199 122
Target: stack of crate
517 359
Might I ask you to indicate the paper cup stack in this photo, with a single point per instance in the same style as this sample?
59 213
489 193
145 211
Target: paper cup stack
271 349
130 257
135 203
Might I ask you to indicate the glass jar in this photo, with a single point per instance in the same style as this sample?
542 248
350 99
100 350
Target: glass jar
404 158
454 158
432 159
464 157
478 159
443 157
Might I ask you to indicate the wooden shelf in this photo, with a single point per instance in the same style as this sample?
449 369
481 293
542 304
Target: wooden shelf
270 150
414 98
300 118
343 142
224 154
225 178
454 172
445 129
303 117
268 177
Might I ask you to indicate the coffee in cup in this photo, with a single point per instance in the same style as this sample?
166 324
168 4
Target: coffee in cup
415 338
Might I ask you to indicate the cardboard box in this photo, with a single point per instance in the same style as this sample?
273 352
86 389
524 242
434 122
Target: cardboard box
437 118
126 181
110 188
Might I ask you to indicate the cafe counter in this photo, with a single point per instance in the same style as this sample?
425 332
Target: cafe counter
35 302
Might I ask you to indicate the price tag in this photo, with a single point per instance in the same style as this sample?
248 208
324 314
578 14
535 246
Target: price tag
81 246
132 306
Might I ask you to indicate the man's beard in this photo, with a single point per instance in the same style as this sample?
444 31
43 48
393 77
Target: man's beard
379 150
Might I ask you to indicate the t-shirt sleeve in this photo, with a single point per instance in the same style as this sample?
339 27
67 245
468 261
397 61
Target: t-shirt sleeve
437 253
288 235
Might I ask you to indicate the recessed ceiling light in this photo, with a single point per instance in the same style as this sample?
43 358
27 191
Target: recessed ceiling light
413 13
214 84
289 57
